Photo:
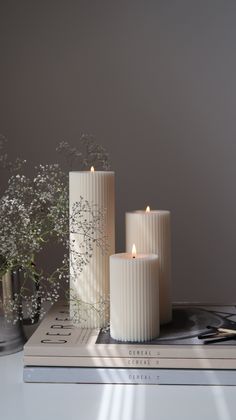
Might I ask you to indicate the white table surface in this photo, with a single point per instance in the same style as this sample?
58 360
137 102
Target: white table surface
108 402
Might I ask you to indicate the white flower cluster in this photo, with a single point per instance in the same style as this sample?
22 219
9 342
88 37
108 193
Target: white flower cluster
25 214
35 211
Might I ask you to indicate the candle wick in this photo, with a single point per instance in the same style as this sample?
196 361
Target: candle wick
133 256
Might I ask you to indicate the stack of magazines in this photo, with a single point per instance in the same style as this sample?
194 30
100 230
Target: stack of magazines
198 347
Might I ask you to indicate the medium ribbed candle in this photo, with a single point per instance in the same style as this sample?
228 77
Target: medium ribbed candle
151 233
134 299
91 285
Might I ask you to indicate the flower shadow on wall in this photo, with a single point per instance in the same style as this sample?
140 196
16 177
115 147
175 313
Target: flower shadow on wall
34 211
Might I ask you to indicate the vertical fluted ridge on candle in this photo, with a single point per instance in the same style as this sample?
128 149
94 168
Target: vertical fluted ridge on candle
92 285
134 310
151 234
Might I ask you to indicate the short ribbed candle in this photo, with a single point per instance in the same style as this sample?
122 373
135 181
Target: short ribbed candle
151 233
91 286
134 299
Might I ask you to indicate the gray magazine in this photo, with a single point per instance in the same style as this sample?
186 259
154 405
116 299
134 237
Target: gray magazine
129 376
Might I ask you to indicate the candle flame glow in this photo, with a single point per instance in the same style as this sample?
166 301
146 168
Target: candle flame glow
92 169
148 209
134 252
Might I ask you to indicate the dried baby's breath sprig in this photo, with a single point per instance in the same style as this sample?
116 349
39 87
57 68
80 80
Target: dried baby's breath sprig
87 232
87 153
5 163
82 310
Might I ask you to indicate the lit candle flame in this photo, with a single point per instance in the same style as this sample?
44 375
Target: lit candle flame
92 169
148 209
134 252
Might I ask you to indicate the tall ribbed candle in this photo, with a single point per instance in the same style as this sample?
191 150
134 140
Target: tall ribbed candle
151 232
134 299
91 285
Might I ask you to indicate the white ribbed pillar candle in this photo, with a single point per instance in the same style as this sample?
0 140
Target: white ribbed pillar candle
151 233
91 285
134 299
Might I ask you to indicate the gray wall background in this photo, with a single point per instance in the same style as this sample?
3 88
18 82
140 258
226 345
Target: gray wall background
155 83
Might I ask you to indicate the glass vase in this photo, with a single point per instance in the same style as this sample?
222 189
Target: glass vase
12 336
